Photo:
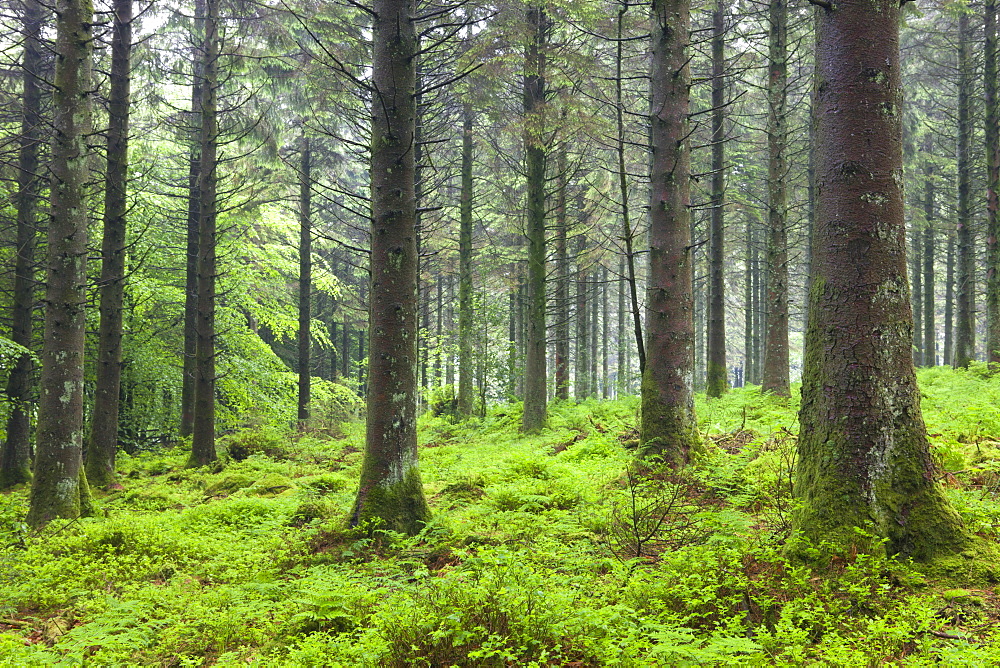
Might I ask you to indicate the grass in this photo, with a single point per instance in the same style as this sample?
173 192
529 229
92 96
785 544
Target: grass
544 550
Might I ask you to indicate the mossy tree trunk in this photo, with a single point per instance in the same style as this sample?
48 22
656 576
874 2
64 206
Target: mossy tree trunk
776 374
100 460
15 453
992 184
535 411
59 485
203 421
863 457
668 428
717 381
466 335
305 279
965 324
390 493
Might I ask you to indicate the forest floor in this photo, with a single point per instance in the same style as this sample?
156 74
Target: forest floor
543 550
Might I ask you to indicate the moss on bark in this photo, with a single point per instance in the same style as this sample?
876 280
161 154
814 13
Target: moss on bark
398 506
669 431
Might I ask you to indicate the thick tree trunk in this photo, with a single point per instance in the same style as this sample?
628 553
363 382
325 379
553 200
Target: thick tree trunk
534 120
390 494
465 315
562 283
992 185
15 453
776 376
203 426
59 487
965 326
929 345
668 428
104 429
717 381
863 457
305 280
194 202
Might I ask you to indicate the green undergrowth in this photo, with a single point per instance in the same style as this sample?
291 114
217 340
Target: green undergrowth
551 549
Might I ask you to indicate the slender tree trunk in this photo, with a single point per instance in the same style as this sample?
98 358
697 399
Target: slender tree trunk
668 428
390 493
949 303
717 377
628 234
59 487
605 334
449 323
100 460
534 98
15 453
776 375
466 359
562 283
992 185
512 330
305 279
965 328
595 292
810 209
439 332
622 372
203 430
581 388
345 348
863 456
929 346
748 295
194 201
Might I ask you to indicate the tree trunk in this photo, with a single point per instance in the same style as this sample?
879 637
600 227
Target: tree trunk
717 381
466 359
305 279
992 185
965 327
668 428
949 303
100 461
15 453
534 122
595 310
59 487
748 294
929 347
390 494
622 372
863 457
776 376
605 334
562 283
203 428
581 388
194 201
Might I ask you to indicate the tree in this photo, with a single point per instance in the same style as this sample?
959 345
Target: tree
863 457
390 493
965 325
775 376
992 184
668 426
717 381
103 443
15 454
305 278
465 314
59 486
534 156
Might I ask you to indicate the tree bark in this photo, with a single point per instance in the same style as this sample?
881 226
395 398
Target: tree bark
305 279
581 388
992 184
863 457
59 487
668 428
929 346
776 376
965 326
562 283
949 303
390 494
15 453
717 381
100 461
534 416
465 315
203 426
194 202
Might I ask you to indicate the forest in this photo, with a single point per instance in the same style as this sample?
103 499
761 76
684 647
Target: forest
499 333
